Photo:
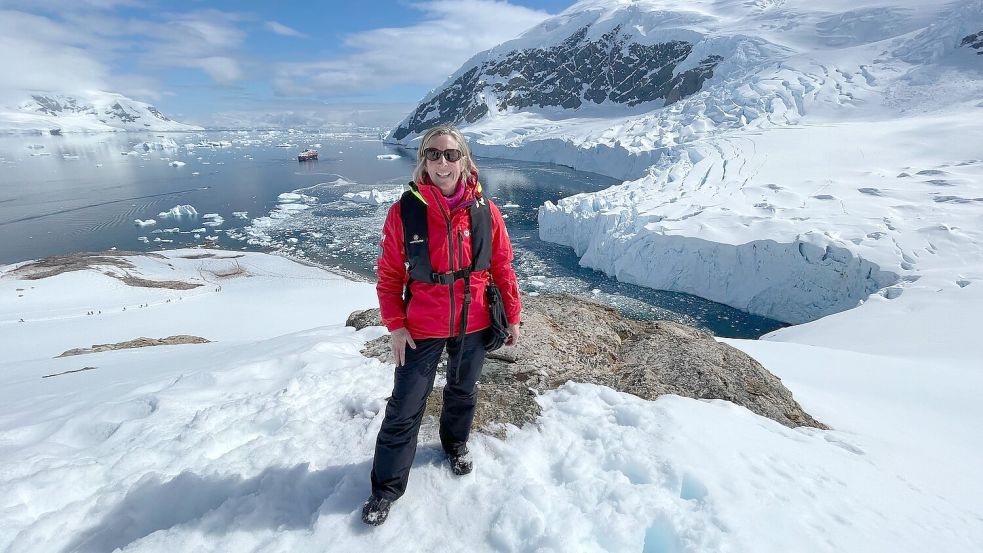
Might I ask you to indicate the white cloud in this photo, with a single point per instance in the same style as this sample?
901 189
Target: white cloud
283 30
75 50
41 55
207 40
424 54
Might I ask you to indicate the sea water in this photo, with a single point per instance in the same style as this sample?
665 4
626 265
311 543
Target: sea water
246 190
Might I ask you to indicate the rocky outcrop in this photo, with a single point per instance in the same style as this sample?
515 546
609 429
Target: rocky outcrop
974 41
138 343
612 68
567 338
103 262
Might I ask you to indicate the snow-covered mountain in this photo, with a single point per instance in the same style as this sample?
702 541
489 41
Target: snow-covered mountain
786 157
93 111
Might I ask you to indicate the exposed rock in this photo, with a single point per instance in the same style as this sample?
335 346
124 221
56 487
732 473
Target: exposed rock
362 319
567 338
139 343
974 41
58 264
83 369
612 68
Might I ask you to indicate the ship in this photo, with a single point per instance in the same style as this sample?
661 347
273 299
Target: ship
307 155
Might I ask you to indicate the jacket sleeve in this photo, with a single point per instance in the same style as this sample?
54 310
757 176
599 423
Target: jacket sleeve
392 271
501 266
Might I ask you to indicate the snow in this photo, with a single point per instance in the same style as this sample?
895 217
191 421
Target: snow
213 219
828 175
374 196
85 111
179 211
832 155
263 438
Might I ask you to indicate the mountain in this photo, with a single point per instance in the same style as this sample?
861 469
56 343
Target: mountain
93 111
784 157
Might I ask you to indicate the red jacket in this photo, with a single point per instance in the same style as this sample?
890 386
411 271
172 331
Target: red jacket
434 310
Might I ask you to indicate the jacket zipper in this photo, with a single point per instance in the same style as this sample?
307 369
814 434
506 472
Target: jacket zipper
460 264
450 261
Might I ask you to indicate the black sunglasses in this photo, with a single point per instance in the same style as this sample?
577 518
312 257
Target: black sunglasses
433 154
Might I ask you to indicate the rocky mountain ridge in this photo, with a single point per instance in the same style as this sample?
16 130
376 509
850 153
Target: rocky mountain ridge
92 111
613 68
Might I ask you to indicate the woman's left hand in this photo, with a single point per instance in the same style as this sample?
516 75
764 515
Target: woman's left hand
513 338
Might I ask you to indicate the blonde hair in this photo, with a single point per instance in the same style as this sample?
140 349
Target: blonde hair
467 164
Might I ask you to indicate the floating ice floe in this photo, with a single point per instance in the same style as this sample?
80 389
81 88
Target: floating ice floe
214 219
209 144
173 230
289 208
388 156
180 211
340 181
69 156
142 223
241 214
195 174
177 164
144 239
374 197
163 144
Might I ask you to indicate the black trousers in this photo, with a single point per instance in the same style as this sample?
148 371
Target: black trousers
395 446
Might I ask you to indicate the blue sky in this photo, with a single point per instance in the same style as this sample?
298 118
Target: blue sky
215 63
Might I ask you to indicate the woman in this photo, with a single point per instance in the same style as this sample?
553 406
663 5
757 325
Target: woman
429 319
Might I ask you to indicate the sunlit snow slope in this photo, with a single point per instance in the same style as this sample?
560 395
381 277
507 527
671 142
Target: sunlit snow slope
829 153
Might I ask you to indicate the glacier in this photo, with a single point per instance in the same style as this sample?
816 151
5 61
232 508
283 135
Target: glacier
829 157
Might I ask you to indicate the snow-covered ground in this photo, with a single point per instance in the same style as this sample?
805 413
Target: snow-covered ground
262 439
85 112
833 154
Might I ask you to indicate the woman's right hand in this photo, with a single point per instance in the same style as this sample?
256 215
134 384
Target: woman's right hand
398 339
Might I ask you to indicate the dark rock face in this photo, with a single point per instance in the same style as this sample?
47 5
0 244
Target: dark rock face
578 71
156 113
119 112
566 338
974 41
51 106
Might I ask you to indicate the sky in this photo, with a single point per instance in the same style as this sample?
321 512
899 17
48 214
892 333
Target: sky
215 63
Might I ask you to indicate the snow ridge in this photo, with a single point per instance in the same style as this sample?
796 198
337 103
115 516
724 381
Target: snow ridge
791 182
91 111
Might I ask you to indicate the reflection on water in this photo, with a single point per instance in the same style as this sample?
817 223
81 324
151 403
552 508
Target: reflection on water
248 191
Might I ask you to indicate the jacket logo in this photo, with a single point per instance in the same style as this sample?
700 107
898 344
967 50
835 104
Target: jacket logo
467 233
416 239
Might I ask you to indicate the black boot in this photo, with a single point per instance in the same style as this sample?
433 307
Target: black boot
461 464
375 510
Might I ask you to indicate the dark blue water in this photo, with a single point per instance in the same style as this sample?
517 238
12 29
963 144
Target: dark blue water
81 193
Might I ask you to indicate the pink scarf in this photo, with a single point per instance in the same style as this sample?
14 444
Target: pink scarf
456 199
